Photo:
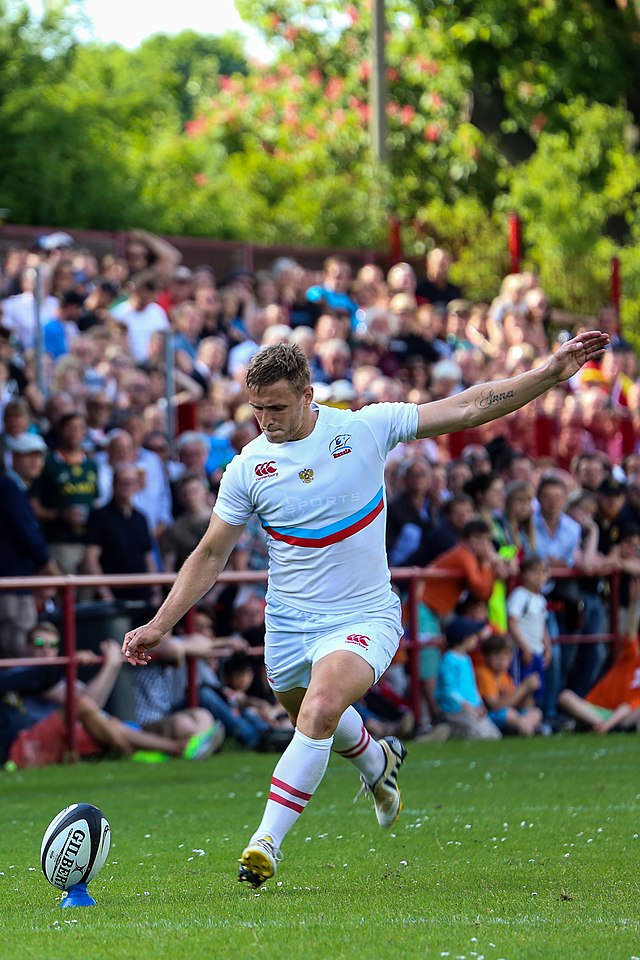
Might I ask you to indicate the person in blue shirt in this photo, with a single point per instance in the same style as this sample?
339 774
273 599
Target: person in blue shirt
63 329
333 292
457 693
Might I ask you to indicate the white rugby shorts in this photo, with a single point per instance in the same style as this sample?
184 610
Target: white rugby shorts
295 640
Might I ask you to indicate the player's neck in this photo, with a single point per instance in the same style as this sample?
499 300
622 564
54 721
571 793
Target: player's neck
308 423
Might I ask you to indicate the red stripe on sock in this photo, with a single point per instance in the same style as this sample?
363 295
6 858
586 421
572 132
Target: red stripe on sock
359 748
286 803
290 789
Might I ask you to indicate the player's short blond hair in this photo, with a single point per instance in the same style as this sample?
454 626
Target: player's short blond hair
282 361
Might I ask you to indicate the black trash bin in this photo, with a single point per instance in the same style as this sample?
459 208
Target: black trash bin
103 620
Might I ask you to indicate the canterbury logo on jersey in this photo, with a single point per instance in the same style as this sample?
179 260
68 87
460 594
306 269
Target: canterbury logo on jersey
267 469
339 446
358 640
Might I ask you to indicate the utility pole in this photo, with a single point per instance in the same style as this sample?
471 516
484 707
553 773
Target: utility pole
378 85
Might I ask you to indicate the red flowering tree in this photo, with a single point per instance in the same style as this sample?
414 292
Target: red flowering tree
295 131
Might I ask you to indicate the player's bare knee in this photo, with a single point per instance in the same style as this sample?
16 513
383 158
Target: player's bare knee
319 715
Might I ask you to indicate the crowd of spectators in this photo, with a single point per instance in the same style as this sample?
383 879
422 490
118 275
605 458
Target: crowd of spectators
95 481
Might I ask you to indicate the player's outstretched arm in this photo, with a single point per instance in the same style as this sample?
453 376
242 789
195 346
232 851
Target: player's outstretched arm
488 401
197 575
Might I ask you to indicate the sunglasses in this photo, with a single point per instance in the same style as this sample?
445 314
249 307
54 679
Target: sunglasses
45 642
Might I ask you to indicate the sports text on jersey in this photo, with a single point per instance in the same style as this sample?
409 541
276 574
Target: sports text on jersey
332 532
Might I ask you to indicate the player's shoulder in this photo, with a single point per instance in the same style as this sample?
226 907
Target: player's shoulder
376 412
369 418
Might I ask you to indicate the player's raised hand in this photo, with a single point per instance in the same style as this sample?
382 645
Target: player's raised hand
574 353
137 642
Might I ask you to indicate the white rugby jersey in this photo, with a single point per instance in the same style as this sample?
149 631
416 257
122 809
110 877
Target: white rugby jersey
322 504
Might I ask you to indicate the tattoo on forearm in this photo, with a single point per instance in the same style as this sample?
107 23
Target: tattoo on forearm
488 398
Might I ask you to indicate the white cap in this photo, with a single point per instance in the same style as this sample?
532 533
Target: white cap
27 443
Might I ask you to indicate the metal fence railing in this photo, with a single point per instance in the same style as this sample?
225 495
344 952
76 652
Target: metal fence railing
69 586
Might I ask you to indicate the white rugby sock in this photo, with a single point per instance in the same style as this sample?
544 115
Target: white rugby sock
353 742
295 779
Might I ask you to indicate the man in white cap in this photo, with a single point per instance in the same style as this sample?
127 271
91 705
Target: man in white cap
23 548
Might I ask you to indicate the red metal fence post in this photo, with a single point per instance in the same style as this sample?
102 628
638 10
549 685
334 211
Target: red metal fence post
192 664
515 242
71 670
396 251
414 650
544 434
186 414
615 283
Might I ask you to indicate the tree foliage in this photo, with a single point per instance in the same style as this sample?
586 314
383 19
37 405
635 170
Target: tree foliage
493 106
87 128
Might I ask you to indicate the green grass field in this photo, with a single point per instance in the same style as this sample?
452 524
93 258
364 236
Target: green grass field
514 850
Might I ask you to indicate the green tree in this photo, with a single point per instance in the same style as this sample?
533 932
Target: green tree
494 105
580 180
84 126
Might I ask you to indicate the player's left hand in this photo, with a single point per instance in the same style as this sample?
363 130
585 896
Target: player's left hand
574 353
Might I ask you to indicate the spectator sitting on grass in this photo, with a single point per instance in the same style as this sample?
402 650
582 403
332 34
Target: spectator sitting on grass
239 720
456 693
242 689
614 702
159 707
510 707
34 723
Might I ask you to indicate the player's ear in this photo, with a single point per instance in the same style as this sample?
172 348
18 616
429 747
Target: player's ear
307 395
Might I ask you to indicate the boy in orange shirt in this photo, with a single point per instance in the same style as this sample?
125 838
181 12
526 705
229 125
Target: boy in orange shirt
510 706
473 563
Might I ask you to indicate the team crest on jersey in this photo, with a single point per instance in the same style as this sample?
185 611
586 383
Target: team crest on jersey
267 469
306 475
339 446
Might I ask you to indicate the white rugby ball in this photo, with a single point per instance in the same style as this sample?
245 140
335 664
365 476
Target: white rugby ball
75 845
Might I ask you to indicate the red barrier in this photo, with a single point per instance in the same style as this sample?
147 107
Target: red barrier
68 585
514 239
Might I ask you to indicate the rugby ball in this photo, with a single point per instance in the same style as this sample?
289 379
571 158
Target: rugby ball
75 845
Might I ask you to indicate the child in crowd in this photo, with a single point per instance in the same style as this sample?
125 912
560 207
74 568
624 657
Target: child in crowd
472 562
244 690
510 707
456 693
527 609
248 726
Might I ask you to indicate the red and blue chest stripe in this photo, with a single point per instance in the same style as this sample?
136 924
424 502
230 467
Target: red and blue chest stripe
333 532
